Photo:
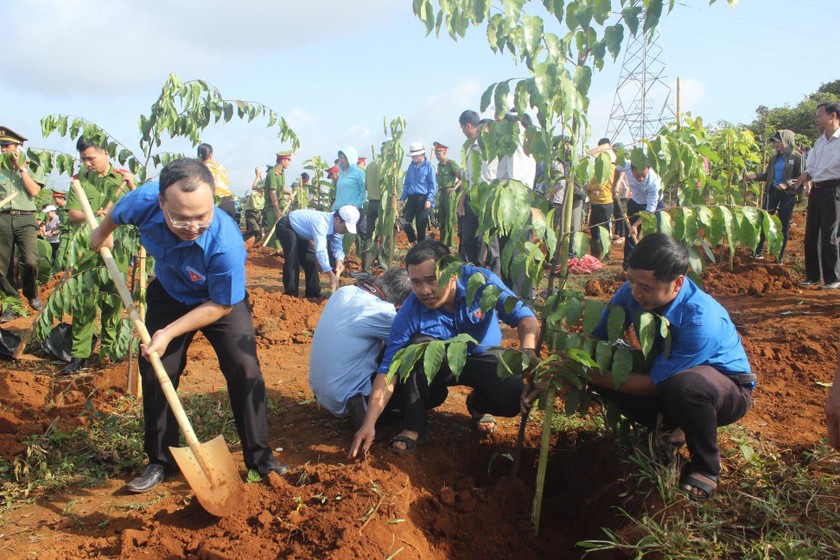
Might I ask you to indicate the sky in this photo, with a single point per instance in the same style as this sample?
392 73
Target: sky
335 69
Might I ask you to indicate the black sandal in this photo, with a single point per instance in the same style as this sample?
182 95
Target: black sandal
410 444
703 482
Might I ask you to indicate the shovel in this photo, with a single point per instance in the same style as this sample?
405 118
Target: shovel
8 199
208 467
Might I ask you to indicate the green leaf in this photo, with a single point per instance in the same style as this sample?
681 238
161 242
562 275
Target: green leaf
456 356
615 322
572 402
533 26
603 355
489 297
574 309
433 358
631 18
647 331
583 79
592 310
487 97
622 366
475 281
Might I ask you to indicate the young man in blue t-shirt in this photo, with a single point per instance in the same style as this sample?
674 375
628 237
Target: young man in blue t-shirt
199 285
434 313
702 381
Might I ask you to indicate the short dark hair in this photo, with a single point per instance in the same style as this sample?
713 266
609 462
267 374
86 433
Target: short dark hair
304 176
661 253
190 172
469 117
395 285
84 143
428 249
831 108
205 151
603 141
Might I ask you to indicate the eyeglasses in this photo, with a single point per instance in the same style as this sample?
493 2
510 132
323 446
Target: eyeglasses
188 224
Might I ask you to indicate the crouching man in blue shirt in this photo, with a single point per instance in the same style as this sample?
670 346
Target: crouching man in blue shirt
703 381
199 285
432 313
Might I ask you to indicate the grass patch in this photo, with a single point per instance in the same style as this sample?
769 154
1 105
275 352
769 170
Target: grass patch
103 445
766 507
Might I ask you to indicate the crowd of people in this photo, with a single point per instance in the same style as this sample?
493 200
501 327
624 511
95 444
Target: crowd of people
186 222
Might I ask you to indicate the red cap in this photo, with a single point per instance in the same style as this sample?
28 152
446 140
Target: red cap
362 160
333 170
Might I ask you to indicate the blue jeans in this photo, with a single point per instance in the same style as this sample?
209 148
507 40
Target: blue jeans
779 203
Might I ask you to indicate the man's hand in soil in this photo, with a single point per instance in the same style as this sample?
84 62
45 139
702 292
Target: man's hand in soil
362 440
832 409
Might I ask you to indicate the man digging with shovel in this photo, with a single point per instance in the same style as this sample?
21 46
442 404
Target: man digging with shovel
199 285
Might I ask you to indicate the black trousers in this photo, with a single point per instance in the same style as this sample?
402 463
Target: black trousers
619 225
698 400
19 231
232 338
374 208
491 394
299 253
415 211
780 203
821 245
469 243
599 214
633 210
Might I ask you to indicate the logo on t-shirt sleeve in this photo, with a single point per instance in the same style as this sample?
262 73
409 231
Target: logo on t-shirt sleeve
195 275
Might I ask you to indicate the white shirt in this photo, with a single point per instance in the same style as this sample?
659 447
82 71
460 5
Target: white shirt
519 167
823 163
351 332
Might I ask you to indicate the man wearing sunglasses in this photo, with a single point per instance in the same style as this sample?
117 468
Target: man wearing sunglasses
199 285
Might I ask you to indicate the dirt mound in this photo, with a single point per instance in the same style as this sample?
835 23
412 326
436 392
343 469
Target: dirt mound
282 319
747 278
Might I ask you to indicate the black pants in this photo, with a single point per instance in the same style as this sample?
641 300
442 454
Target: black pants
374 208
19 231
698 400
469 243
253 225
227 205
415 211
491 394
620 228
299 253
780 203
599 214
821 246
232 338
633 210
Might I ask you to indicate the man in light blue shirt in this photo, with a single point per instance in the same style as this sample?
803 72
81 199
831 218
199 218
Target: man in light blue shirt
349 339
305 236
199 285
645 194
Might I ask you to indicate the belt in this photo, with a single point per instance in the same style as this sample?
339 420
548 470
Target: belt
18 212
744 379
827 184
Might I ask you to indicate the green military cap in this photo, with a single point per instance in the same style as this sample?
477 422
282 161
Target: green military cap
9 136
286 154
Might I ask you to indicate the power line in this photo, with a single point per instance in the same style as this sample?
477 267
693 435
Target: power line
815 6
768 25
666 24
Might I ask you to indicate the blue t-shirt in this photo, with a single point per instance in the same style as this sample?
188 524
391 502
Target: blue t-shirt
414 318
211 267
702 334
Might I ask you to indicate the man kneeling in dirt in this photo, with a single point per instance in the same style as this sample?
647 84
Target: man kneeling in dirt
349 339
703 381
432 312
199 285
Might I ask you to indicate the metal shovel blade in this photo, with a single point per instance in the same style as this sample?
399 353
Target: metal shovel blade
227 494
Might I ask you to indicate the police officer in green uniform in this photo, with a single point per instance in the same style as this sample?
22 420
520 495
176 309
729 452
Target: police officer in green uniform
254 209
17 219
103 186
448 192
275 195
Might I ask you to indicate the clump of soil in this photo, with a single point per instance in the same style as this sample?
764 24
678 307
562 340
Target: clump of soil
747 278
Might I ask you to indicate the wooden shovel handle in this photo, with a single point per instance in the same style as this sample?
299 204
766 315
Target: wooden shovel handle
8 199
154 358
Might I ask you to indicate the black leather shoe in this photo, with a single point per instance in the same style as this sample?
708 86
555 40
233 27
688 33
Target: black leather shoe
36 303
273 465
151 477
75 365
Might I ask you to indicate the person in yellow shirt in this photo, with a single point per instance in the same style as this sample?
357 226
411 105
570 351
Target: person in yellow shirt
601 203
221 181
